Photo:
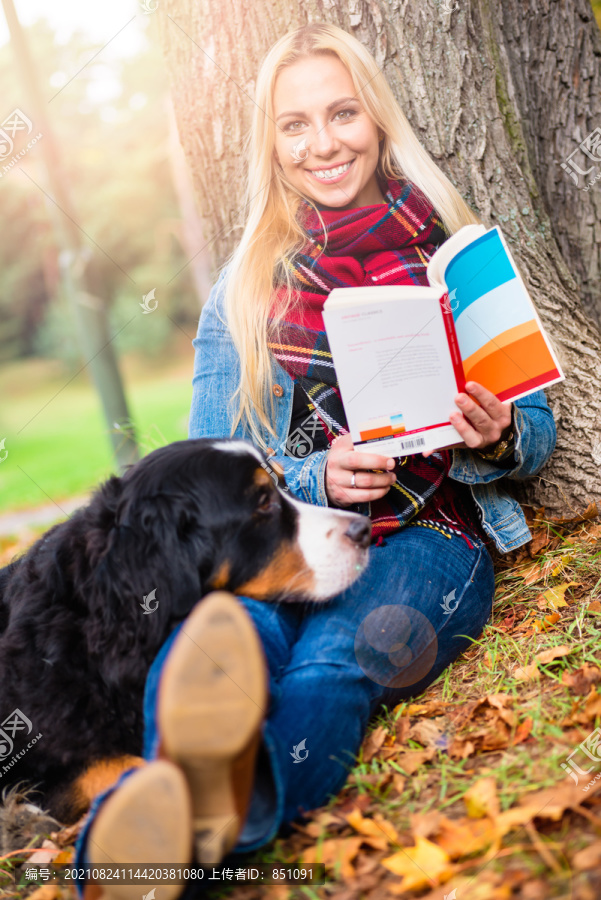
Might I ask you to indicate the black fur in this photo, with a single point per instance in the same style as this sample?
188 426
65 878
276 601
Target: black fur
75 645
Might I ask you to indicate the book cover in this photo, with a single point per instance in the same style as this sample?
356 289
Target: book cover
402 353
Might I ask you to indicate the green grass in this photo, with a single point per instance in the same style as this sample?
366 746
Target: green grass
57 440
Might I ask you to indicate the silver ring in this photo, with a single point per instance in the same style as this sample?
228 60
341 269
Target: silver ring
353 480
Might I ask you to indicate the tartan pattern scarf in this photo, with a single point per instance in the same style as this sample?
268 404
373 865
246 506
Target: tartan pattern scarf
380 244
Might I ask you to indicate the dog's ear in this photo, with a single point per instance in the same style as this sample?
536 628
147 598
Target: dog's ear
149 576
111 492
172 527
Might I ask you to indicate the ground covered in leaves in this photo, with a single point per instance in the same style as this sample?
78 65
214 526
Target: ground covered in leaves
460 793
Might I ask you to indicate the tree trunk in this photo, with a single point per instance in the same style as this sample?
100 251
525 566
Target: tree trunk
500 95
89 313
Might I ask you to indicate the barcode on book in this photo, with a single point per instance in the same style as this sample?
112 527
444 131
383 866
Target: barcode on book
409 445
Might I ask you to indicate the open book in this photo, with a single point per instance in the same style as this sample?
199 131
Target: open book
401 353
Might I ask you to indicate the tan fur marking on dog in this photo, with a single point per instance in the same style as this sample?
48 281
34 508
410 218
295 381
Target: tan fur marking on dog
99 776
222 576
262 476
287 568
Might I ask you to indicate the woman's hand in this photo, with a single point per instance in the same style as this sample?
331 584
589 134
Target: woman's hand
480 424
343 460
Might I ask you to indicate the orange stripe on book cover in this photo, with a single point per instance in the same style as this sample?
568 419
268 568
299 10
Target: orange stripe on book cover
525 360
381 431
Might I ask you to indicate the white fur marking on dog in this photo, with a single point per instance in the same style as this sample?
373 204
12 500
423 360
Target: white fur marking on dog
336 560
237 446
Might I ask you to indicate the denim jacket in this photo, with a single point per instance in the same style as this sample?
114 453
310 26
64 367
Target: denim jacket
216 374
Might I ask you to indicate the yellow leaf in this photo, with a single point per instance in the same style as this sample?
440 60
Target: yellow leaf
555 596
377 827
420 866
333 852
564 560
481 799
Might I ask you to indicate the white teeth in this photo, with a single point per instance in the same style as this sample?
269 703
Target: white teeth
331 173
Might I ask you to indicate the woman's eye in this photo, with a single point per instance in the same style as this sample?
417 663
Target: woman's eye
351 113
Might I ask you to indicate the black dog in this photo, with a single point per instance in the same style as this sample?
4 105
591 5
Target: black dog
84 612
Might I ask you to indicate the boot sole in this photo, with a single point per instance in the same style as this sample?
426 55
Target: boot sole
147 820
212 699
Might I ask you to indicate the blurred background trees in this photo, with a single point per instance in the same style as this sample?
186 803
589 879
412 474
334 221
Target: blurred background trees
116 152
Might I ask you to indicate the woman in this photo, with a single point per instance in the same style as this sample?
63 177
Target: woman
340 192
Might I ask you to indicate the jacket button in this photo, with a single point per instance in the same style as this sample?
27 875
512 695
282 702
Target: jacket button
278 390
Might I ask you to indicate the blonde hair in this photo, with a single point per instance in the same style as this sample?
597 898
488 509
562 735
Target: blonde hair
272 236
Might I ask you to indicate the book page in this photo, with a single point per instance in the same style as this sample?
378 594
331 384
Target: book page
395 372
501 339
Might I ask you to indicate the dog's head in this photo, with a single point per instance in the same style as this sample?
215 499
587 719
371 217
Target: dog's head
201 515
207 514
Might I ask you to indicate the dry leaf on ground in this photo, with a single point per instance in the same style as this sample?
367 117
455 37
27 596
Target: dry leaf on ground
547 656
481 799
421 866
334 852
581 680
377 828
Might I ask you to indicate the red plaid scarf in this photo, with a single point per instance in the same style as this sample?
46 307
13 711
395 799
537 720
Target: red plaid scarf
378 244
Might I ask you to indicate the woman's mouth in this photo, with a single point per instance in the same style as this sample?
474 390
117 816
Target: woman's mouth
330 176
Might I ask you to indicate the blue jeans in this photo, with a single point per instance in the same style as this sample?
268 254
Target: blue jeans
332 665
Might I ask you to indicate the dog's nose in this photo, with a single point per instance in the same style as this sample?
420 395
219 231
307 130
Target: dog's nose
359 531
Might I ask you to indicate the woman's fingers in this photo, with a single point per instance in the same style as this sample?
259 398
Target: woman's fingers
343 461
471 437
480 423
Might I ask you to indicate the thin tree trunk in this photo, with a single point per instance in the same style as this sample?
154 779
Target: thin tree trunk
499 94
190 235
89 312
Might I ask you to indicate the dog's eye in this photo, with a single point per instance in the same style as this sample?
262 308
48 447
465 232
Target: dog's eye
266 501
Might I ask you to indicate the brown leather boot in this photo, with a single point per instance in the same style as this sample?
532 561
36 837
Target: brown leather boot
147 820
211 702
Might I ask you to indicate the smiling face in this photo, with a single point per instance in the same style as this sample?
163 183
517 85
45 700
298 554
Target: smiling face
317 106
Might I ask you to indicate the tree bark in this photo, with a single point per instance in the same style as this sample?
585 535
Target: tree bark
499 95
